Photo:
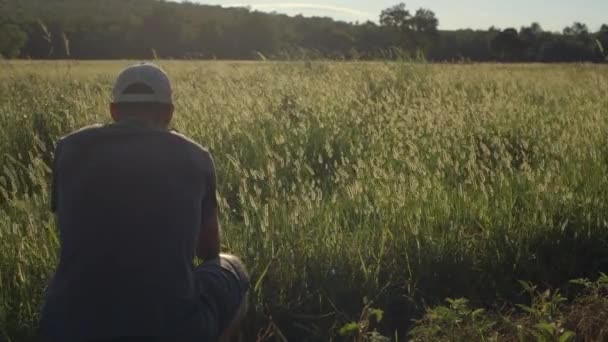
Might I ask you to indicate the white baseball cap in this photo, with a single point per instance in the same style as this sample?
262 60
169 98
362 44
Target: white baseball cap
142 83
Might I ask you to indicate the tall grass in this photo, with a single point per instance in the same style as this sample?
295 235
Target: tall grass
399 183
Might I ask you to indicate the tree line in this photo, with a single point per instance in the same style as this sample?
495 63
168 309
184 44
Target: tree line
143 29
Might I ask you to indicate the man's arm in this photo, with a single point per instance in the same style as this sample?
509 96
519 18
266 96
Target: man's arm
209 236
209 239
55 179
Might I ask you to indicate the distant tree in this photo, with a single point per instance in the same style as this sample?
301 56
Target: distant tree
602 40
531 38
40 40
424 21
211 38
566 50
532 32
396 26
397 16
259 35
372 40
577 30
12 39
112 29
424 24
507 46
161 33
417 32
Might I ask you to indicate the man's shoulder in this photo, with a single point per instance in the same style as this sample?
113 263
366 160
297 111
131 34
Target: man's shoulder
82 132
191 145
180 141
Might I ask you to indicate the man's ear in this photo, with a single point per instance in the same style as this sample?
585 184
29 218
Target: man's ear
114 112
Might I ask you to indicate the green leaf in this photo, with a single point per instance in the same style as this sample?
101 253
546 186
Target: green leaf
545 327
527 286
477 313
378 314
527 309
258 284
349 329
567 336
580 281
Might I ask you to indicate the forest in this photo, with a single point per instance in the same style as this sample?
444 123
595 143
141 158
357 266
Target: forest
142 29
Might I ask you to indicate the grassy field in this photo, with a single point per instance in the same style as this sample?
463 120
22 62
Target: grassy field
351 187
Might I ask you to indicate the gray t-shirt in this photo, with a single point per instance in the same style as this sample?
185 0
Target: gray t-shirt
129 201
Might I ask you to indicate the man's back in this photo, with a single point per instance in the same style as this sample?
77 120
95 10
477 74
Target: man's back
129 202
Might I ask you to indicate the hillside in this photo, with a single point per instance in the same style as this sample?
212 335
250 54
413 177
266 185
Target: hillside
113 29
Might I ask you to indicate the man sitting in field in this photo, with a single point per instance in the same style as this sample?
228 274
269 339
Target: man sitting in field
134 201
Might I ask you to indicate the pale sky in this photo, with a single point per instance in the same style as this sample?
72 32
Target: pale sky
553 15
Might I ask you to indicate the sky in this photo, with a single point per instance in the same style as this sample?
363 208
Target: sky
553 15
